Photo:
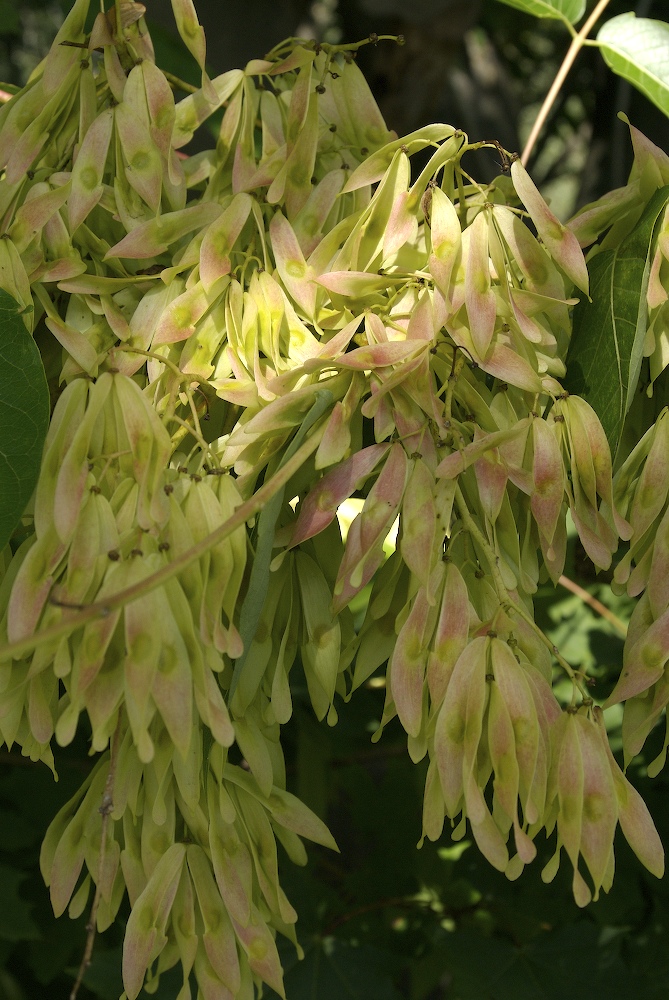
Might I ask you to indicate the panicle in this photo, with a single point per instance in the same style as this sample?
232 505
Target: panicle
299 294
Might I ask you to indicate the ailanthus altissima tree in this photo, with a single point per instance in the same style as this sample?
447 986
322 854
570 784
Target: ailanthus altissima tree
251 336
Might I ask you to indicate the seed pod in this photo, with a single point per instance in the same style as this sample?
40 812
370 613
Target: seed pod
150 445
569 778
653 485
458 461
321 650
587 427
152 238
449 737
184 926
407 664
548 479
502 748
451 633
643 661
233 870
145 931
348 101
254 747
446 238
479 296
17 116
419 522
219 936
144 170
172 686
560 241
600 808
514 686
220 237
309 223
73 472
89 168
336 440
633 815
300 162
260 948
192 34
364 544
294 271
41 203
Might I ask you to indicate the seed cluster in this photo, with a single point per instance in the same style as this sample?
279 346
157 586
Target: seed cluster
251 336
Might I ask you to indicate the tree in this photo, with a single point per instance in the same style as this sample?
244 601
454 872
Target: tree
250 340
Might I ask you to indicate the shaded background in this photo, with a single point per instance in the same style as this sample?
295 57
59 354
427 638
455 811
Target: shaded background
384 921
476 64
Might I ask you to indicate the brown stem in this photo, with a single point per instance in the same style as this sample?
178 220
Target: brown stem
106 808
576 45
15 650
601 609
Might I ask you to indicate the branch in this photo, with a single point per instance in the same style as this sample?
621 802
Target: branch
106 808
576 45
601 609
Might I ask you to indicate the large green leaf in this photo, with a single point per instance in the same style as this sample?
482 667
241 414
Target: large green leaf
569 10
566 962
637 48
24 415
606 349
333 969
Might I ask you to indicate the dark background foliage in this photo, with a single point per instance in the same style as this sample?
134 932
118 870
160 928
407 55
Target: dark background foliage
383 920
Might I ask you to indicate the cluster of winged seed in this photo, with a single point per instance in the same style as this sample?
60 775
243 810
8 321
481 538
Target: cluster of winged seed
250 336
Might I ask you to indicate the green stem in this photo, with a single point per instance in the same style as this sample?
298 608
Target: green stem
462 204
16 650
179 84
458 363
577 44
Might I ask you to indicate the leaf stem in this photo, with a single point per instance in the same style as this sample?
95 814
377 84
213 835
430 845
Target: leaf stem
577 44
106 808
458 364
601 609
178 84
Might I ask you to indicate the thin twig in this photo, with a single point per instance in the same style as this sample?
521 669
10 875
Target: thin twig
106 808
601 609
576 45
179 84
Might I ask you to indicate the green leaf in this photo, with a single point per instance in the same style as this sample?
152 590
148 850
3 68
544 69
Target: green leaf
24 416
637 48
606 349
563 10
564 962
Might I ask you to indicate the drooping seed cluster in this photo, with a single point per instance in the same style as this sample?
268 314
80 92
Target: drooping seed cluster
299 294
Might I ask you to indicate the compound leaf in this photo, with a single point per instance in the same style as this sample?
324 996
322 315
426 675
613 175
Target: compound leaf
606 349
637 48
569 10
